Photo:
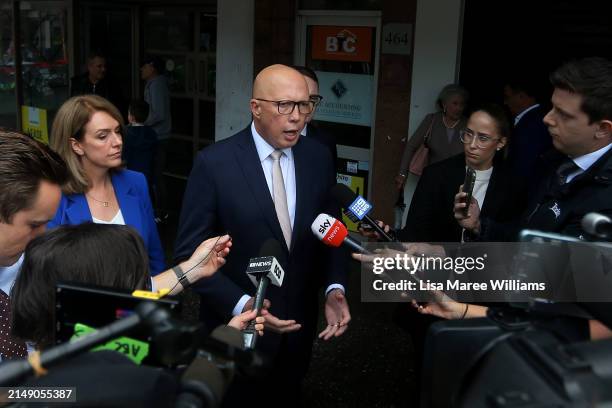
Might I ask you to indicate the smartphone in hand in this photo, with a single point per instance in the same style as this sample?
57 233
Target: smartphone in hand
468 187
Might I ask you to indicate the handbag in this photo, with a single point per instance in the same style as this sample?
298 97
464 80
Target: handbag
420 159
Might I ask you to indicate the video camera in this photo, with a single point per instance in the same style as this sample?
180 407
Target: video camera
535 354
148 332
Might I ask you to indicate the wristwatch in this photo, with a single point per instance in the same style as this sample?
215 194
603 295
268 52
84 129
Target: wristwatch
182 277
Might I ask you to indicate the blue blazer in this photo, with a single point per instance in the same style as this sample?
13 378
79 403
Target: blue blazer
133 197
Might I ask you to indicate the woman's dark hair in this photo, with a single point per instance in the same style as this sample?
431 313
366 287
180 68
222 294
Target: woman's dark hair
112 256
500 117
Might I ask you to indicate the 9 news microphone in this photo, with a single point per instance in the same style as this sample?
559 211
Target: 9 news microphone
357 208
262 271
598 225
333 233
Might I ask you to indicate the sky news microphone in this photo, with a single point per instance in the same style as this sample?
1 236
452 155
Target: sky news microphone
262 271
598 225
333 233
357 208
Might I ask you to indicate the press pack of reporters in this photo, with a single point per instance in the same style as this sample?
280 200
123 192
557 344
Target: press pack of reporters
571 181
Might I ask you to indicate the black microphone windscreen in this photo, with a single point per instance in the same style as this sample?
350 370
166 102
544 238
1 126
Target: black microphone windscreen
343 195
271 247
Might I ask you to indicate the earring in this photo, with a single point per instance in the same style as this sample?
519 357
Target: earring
498 149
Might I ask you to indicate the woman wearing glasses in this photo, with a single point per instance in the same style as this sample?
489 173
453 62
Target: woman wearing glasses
499 195
431 215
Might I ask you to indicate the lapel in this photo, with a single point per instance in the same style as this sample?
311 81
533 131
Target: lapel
248 160
301 182
77 210
129 201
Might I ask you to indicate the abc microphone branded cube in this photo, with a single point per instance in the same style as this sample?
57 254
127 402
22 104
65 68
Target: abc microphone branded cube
265 266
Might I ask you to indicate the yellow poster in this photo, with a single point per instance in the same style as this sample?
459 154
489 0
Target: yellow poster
357 185
34 123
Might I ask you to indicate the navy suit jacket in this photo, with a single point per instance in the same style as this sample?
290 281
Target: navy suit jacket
227 193
133 197
530 140
327 139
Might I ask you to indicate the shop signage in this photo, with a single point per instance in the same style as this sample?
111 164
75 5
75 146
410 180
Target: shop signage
347 98
34 123
339 43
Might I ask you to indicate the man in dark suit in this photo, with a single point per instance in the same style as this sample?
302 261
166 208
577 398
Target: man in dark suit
576 178
310 130
530 137
269 182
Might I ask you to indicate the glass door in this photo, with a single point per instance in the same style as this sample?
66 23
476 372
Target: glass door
342 48
186 39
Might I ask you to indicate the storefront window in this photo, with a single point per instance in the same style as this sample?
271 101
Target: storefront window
340 4
8 104
44 54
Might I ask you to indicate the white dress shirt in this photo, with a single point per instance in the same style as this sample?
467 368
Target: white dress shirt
585 161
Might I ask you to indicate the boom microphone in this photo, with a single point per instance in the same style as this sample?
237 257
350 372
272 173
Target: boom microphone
262 271
333 233
357 208
598 225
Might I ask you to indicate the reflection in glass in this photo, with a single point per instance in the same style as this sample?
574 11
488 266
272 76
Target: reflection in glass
168 30
8 112
208 32
207 120
176 71
181 110
44 56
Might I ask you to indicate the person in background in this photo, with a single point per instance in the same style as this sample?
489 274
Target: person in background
439 131
157 95
430 218
140 144
443 140
530 137
310 129
96 81
86 133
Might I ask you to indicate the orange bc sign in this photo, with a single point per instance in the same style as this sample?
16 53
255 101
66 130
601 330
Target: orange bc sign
339 43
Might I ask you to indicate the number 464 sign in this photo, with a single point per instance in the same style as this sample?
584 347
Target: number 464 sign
397 39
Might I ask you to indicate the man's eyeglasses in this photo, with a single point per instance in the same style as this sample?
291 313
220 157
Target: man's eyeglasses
482 141
287 107
316 99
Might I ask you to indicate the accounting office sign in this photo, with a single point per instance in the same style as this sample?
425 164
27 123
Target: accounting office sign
347 98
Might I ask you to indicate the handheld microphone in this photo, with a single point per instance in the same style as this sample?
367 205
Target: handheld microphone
357 208
598 225
262 271
333 233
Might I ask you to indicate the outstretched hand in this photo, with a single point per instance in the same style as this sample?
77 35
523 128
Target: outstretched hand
337 315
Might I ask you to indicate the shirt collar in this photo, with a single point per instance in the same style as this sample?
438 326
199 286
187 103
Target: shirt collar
264 149
8 275
304 131
520 115
585 161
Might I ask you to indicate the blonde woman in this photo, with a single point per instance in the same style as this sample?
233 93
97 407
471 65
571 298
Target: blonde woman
87 134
